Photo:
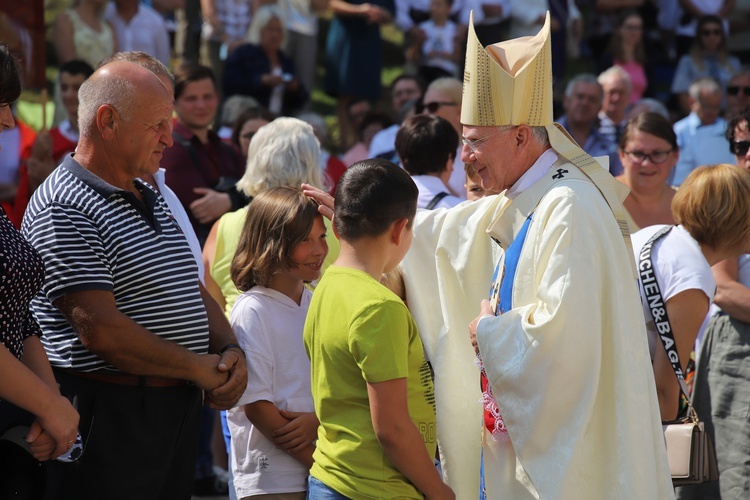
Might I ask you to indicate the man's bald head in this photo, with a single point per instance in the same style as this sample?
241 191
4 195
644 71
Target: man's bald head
147 61
117 84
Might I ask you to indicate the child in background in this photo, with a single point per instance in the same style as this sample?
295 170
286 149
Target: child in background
371 384
474 189
437 55
273 429
426 146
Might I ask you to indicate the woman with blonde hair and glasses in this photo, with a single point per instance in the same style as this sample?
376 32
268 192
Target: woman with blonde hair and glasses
648 152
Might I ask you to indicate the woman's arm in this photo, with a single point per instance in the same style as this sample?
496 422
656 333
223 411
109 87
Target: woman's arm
342 8
36 360
732 296
401 440
691 8
42 444
208 11
209 252
267 418
21 386
686 311
319 6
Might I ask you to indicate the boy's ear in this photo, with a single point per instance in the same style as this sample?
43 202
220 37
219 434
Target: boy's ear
397 230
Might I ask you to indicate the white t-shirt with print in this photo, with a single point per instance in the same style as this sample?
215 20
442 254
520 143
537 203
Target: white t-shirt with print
268 325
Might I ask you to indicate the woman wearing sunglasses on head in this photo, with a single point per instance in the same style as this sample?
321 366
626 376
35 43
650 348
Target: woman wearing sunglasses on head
709 56
721 390
648 153
738 92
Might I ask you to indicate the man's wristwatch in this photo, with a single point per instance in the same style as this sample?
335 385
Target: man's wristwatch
231 346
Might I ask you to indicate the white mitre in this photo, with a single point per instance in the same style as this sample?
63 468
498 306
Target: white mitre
510 83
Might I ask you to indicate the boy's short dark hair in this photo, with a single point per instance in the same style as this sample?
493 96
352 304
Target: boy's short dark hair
77 67
424 144
371 195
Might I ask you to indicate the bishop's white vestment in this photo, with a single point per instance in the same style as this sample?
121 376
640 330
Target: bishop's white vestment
568 363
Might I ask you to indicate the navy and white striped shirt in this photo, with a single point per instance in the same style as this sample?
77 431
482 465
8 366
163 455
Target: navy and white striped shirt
94 236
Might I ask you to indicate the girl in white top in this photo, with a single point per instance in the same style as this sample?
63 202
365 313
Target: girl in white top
711 209
274 426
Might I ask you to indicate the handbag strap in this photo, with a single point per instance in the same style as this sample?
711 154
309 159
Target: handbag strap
433 202
658 308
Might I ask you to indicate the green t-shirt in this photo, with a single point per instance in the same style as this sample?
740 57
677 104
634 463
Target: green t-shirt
358 331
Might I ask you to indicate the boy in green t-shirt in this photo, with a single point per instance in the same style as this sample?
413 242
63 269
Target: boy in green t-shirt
371 385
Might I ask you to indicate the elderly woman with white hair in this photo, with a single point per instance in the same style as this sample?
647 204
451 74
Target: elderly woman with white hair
261 69
283 153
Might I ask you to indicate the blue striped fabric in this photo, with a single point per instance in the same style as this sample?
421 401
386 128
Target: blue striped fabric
93 236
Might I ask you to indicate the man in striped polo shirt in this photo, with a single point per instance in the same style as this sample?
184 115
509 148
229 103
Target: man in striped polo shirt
127 326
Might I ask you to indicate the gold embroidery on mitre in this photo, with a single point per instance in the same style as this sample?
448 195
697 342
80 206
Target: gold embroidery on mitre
508 83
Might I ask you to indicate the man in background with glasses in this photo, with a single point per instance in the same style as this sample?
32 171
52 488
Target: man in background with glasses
738 92
443 98
558 356
617 88
700 135
583 99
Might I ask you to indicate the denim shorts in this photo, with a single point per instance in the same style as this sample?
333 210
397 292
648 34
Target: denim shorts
317 490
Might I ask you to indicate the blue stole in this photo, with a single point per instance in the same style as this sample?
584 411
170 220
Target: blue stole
501 298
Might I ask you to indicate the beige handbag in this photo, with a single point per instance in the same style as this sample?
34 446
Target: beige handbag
691 454
690 451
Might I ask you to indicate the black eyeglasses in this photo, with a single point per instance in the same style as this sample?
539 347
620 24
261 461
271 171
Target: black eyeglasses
714 32
739 148
432 107
735 89
655 157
